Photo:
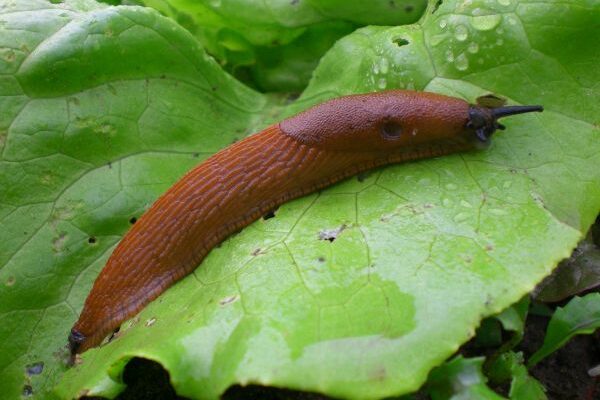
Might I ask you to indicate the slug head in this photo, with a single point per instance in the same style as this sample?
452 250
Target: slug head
399 122
484 121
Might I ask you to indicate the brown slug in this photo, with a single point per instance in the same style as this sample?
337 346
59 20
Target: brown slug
309 151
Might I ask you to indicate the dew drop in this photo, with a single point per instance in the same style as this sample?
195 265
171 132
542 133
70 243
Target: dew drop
384 65
376 69
499 41
382 83
511 20
443 23
473 48
504 2
449 56
461 63
446 202
485 22
461 33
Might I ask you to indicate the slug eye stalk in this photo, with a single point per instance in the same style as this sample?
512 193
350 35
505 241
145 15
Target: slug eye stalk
484 121
505 111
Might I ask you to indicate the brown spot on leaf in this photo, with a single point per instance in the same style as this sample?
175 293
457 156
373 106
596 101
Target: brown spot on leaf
59 242
228 300
331 234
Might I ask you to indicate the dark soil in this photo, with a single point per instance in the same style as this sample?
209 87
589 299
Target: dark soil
564 373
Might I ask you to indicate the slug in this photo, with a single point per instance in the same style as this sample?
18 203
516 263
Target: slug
299 155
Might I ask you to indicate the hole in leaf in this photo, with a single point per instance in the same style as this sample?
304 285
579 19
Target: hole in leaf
91 240
399 41
436 6
132 220
27 391
35 368
146 379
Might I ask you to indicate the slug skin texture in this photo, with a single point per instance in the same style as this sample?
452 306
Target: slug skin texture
304 153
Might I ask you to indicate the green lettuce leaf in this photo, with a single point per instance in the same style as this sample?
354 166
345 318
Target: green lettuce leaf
460 379
579 273
286 38
103 108
509 367
580 316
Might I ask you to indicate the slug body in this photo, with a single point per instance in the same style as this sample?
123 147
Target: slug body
236 186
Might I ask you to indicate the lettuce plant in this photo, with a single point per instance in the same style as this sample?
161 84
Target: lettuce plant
103 107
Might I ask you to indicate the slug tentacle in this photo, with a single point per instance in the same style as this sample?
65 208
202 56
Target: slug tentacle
243 182
484 120
506 111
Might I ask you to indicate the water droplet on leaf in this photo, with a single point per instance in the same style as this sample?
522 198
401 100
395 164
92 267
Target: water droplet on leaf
485 22
461 33
462 63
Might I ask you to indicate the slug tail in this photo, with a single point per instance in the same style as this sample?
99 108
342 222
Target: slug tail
76 339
